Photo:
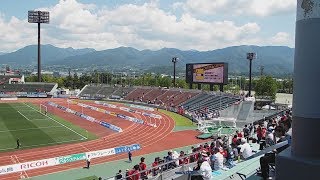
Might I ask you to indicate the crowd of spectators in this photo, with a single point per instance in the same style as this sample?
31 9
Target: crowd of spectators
222 153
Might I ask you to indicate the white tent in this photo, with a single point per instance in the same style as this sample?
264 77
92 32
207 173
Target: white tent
268 107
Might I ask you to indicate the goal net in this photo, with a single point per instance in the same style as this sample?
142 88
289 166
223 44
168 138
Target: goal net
43 109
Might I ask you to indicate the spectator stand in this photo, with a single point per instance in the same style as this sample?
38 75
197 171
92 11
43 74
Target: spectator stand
242 170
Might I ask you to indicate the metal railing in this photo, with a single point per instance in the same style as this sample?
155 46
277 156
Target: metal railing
163 167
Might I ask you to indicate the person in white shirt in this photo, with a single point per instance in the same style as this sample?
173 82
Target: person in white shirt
206 171
270 139
245 150
88 161
217 159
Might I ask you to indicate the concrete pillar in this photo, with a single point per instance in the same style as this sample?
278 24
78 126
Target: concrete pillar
199 86
302 159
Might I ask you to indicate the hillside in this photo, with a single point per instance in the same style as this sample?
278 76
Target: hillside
275 59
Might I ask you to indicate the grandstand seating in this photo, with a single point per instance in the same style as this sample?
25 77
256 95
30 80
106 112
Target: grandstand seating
27 87
137 93
98 90
193 100
153 94
123 91
212 101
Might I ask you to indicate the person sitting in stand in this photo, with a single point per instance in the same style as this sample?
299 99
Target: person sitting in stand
119 175
134 173
217 160
155 170
183 160
268 158
239 134
245 150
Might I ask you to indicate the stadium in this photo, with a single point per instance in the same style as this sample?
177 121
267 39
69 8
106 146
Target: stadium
58 131
129 131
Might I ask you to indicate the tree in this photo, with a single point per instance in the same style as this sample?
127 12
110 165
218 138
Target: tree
266 86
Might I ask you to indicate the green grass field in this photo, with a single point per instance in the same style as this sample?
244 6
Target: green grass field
34 129
180 120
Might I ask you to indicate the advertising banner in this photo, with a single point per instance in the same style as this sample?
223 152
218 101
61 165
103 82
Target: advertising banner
27 166
38 164
125 149
101 153
140 107
71 158
132 110
114 114
9 169
66 159
86 117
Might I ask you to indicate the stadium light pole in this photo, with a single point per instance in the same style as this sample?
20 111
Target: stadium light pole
174 60
38 17
250 57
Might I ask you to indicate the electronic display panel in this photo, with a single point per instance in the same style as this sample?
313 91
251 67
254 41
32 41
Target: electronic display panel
210 73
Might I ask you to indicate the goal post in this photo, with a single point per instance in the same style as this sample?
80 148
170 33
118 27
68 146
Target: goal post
43 109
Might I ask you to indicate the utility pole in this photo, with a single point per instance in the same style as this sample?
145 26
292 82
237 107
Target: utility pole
174 60
250 57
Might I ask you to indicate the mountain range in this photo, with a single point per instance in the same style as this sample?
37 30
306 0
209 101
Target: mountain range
274 59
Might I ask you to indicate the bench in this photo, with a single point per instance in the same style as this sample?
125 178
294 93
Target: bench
243 169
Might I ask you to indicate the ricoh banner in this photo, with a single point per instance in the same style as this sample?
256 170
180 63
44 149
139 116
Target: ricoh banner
66 159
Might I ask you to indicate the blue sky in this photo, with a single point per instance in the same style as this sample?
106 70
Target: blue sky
154 24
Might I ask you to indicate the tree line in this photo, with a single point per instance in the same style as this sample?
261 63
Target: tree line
263 86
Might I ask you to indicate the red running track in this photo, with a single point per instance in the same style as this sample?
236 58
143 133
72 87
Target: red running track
132 133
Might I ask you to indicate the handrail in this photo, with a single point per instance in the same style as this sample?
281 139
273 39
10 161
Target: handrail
158 166
268 149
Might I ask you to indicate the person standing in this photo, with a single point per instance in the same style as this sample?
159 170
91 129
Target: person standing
88 161
119 175
18 143
246 132
130 156
143 167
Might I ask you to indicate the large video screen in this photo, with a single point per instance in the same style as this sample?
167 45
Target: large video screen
212 73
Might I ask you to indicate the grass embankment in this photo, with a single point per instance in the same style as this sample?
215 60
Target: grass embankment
181 122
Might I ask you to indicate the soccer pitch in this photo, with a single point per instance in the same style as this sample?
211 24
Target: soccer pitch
24 122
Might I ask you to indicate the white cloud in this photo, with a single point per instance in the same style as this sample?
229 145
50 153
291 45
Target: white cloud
281 38
237 7
146 26
15 33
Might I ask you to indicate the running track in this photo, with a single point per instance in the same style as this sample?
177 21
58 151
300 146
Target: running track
132 133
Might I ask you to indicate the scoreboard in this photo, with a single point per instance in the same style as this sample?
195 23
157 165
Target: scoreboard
210 73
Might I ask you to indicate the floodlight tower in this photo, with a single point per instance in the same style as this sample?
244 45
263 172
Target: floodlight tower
174 60
38 17
250 57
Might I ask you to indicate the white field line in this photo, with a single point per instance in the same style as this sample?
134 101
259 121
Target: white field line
59 142
45 127
47 119
23 115
57 122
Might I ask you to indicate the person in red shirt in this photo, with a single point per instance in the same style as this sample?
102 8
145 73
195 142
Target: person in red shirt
259 133
154 164
143 167
134 173
235 140
239 134
183 160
